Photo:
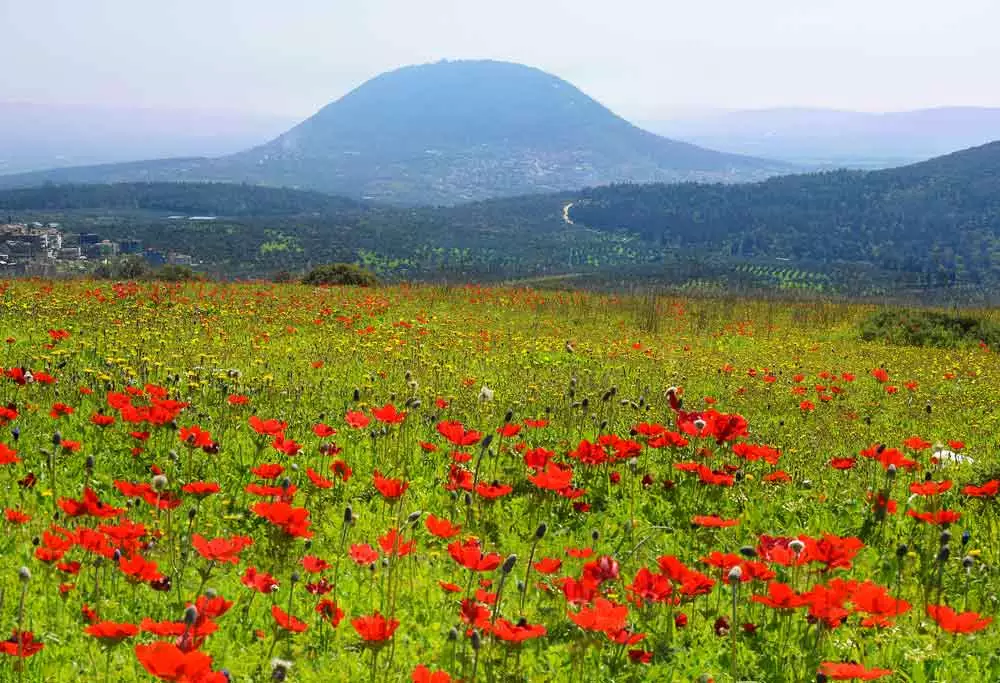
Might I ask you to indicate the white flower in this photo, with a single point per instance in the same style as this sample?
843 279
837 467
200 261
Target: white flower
485 394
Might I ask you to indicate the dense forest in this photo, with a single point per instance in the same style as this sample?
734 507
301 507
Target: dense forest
940 218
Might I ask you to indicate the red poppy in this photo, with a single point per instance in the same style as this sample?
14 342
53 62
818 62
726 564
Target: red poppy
392 544
442 528
548 565
201 488
221 549
323 430
391 489
713 521
388 414
470 555
270 427
605 615
509 430
21 644
111 632
937 517
780 596
930 488
493 490
8 456
356 419
553 477
292 520
262 582
839 671
422 674
168 662
987 490
286 621
953 622
842 463
516 633
329 610
375 628
456 433
363 554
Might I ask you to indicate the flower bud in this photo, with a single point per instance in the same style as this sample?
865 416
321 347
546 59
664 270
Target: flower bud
159 482
190 615
796 546
735 574
540 531
24 574
508 564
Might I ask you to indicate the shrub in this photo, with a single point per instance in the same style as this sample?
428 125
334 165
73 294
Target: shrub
929 328
173 273
340 274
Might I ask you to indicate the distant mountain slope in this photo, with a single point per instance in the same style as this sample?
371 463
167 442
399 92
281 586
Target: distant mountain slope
834 137
445 133
941 216
36 136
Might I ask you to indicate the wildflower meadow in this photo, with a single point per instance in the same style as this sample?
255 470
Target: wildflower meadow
253 482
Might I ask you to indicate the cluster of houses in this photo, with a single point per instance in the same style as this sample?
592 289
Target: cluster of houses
34 248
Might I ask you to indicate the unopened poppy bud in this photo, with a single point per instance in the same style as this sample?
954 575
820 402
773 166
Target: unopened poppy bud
192 512
540 531
633 464
945 537
453 634
89 464
476 640
385 562
487 441
603 426
286 483
16 433
117 555
56 438
520 586
508 565
748 551
944 554
821 677
414 516
901 550
585 403
416 403
190 615
294 467
357 395
735 574
508 416
796 546
295 577
159 482
967 561
348 514
24 574
966 536
468 499
279 669
211 593
928 407
595 534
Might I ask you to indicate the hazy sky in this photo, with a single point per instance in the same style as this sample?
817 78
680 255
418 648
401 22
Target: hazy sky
640 57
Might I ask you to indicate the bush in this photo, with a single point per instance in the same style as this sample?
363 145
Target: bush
173 273
340 274
929 328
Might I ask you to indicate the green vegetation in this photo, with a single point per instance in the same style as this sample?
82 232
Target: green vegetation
930 328
340 274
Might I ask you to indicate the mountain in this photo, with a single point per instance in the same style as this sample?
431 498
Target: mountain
37 136
445 133
827 137
939 218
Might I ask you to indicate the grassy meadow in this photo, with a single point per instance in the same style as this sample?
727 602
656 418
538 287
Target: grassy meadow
273 482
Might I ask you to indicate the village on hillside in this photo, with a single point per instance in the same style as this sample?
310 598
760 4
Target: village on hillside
46 249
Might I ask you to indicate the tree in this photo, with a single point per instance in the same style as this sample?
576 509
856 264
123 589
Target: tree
340 274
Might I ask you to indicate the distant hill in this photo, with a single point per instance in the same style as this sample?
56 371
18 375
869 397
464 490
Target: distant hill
36 136
445 133
939 218
827 137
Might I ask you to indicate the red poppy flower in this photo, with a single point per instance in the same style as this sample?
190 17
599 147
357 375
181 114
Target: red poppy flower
492 491
838 671
390 489
221 549
553 477
201 488
713 521
375 628
102 420
262 582
111 632
356 419
442 528
16 516
270 427
286 621
516 633
392 543
937 517
195 437
21 644
168 662
953 622
363 554
292 520
470 555
8 456
323 430
422 674
842 463
548 565
329 610
605 615
456 433
930 488
987 490
341 469
388 414
318 480
780 596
